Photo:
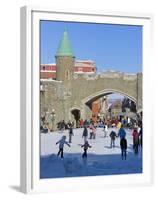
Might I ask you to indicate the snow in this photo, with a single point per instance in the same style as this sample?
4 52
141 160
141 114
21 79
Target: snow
101 160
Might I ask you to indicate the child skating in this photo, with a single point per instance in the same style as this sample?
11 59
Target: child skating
113 136
85 148
61 143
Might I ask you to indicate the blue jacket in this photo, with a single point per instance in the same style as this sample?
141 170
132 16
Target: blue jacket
122 133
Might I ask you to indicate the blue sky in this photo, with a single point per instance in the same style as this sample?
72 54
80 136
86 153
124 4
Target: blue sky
111 46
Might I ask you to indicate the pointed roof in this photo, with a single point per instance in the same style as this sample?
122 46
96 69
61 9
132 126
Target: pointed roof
64 48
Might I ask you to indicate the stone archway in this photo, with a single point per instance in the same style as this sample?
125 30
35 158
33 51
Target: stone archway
86 102
85 89
105 92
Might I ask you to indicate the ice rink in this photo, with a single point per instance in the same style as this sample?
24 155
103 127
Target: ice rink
101 160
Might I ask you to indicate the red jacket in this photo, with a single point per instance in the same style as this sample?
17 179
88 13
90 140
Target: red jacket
135 136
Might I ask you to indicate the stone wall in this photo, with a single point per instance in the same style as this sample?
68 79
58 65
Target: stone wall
62 97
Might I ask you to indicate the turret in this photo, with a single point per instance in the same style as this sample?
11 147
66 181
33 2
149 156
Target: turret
65 60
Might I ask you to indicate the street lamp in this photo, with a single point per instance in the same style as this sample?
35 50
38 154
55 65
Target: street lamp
52 118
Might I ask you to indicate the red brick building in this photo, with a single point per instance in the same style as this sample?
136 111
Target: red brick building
48 71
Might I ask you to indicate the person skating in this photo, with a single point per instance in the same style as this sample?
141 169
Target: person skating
91 131
122 132
94 132
85 148
105 129
123 144
61 143
85 133
113 137
135 135
70 134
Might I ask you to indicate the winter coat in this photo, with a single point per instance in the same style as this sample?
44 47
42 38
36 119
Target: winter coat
123 143
135 137
122 133
81 122
106 128
85 132
71 131
93 130
86 146
61 143
113 135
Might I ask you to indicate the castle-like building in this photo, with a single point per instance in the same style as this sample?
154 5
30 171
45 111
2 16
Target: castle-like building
69 95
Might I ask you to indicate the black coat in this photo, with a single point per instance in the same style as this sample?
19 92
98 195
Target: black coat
85 132
71 131
113 135
123 143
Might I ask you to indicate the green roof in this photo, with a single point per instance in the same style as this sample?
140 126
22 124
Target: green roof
64 48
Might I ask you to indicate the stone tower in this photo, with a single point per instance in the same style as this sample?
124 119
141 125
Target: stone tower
65 60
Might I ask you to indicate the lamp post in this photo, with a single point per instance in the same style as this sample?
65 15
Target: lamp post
52 119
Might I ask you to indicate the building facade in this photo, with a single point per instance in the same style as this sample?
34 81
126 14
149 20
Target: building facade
48 71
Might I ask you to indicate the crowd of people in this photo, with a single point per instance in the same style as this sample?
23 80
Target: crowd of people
137 134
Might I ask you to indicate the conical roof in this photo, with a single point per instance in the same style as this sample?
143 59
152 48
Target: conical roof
64 48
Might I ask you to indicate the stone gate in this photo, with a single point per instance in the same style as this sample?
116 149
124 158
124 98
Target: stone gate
72 94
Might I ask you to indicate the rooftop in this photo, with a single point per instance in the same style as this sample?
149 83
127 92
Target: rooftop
64 48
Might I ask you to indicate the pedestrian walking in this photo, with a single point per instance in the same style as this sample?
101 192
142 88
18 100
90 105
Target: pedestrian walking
85 148
123 144
85 133
61 143
113 137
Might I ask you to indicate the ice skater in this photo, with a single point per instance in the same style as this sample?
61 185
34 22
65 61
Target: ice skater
123 144
61 143
113 137
135 135
105 129
85 133
85 148
92 132
122 132
70 134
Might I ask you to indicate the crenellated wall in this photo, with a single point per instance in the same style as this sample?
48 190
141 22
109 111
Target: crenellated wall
85 89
